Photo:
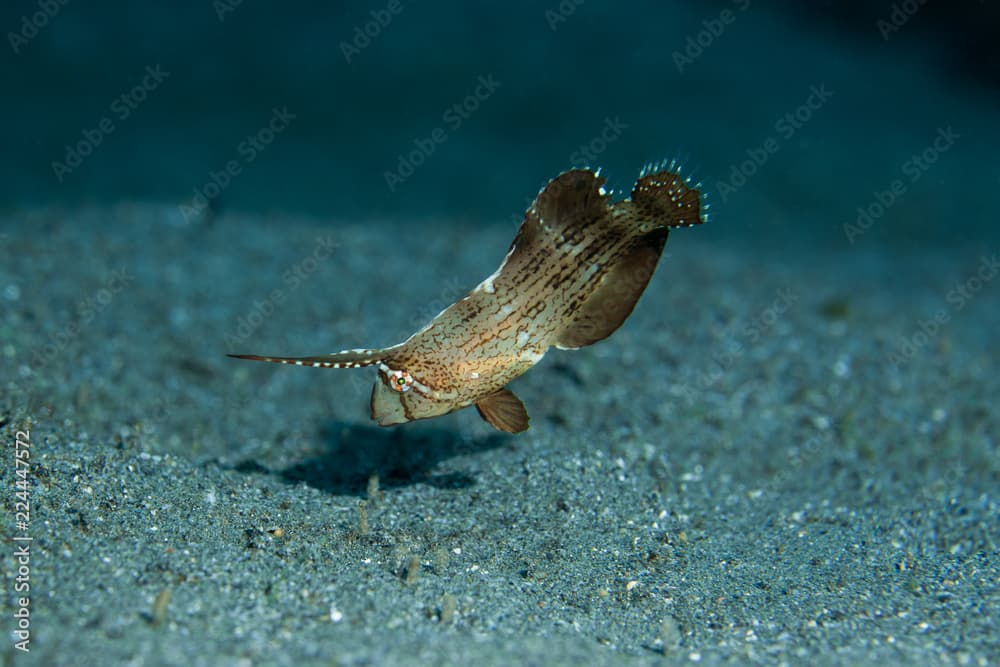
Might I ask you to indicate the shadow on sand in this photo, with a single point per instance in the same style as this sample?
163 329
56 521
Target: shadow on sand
400 456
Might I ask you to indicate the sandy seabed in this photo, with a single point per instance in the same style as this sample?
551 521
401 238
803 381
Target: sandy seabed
775 460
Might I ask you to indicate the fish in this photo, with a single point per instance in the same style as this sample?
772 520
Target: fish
571 277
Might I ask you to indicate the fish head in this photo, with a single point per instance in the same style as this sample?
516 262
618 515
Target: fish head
399 397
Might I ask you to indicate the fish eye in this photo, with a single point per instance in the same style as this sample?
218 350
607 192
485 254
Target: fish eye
400 380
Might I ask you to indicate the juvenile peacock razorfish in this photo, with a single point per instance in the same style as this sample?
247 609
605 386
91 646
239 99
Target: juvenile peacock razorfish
572 275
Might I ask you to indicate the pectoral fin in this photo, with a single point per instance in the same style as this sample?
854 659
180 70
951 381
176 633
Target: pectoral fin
611 304
504 411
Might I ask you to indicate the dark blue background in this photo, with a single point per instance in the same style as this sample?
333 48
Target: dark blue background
558 87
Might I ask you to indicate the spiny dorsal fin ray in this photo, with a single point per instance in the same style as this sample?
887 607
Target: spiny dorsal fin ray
611 304
504 411
345 359
667 199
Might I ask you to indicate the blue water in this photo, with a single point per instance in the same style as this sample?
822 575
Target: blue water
787 454
800 121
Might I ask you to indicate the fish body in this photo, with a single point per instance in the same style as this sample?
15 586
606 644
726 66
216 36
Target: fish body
572 275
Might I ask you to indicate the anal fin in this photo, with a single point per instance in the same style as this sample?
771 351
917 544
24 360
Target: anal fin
504 411
611 304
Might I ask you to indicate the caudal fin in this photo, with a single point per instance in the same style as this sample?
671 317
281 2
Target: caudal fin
345 359
667 198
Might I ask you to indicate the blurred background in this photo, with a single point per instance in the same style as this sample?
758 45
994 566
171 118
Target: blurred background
797 116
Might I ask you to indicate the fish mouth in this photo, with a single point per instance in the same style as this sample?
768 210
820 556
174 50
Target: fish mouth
387 420
387 405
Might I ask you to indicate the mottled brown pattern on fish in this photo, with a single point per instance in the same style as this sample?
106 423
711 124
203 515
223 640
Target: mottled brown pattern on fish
571 276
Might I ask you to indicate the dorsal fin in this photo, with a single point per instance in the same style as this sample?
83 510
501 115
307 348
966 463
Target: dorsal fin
345 359
573 199
504 411
616 296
